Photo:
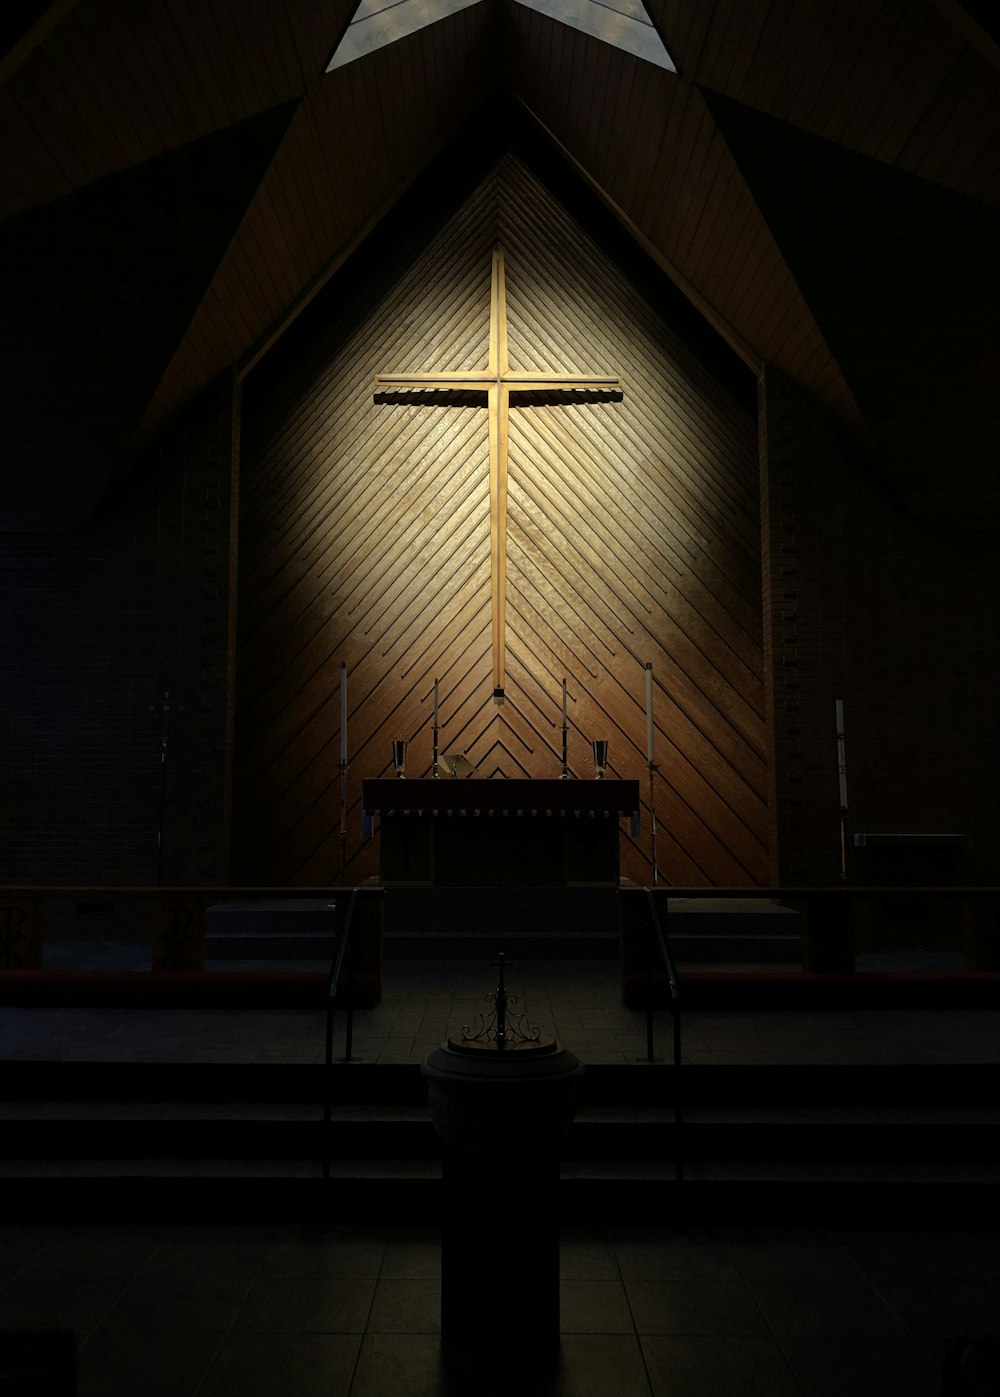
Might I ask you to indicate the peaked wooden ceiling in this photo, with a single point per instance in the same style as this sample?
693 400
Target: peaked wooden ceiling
701 167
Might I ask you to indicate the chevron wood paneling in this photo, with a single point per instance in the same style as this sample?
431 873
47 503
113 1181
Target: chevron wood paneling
632 536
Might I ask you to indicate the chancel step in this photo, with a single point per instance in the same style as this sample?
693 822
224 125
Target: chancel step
290 929
522 911
128 1128
518 944
734 931
542 923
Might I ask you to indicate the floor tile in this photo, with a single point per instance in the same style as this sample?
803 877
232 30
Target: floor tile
283 1365
59 1302
584 1256
805 1254
937 1311
981 1249
110 1252
418 1365
660 1253
413 1258
893 1257
236 1243
337 1251
18 1245
188 1304
682 1307
825 1309
406 1307
599 1365
735 1366
310 1302
403 1365
594 1307
128 1364
866 1367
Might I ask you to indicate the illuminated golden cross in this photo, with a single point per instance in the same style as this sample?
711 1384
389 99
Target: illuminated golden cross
499 383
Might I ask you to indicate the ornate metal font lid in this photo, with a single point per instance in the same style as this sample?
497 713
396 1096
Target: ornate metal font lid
496 1032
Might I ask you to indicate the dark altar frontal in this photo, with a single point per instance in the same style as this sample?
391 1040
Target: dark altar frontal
474 833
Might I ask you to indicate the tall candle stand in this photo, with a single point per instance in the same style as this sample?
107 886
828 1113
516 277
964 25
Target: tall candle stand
343 817
652 819
650 763
343 768
565 764
842 778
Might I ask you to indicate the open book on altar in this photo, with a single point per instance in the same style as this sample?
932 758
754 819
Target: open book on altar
456 764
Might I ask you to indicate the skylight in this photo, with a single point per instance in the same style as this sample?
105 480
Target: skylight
377 23
622 23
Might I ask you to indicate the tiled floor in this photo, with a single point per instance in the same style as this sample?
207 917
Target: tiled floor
354 1312
283 1311
578 1001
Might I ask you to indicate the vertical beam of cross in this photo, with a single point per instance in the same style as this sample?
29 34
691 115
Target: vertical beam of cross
499 383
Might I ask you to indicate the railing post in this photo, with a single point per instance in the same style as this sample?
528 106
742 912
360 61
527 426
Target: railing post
678 1104
647 950
327 1087
352 952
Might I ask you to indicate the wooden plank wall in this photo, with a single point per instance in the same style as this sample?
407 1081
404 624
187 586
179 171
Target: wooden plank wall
633 536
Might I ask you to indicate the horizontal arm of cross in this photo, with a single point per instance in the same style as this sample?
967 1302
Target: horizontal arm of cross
541 382
434 380
516 382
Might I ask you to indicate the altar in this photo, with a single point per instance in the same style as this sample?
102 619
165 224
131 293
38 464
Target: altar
453 833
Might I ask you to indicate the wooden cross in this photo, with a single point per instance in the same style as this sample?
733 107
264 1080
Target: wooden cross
499 383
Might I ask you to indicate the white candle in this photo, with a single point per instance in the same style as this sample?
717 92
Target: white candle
343 712
435 703
564 702
649 713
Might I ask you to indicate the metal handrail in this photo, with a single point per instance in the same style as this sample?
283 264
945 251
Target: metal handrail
336 969
653 921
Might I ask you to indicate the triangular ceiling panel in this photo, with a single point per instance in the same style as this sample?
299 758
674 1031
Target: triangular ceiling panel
113 83
901 276
912 83
107 281
681 193
331 180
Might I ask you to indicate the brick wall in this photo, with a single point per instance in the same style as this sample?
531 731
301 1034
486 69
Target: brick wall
96 626
897 616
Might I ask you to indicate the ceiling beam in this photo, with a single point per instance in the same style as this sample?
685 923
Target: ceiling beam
35 34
